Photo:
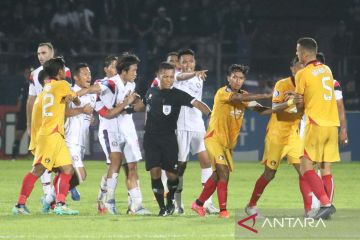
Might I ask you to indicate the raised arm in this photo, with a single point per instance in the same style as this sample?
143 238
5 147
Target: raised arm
185 76
247 97
202 107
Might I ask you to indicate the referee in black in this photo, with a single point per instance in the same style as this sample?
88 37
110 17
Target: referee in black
162 106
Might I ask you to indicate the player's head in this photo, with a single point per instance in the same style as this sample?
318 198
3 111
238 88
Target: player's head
295 65
173 58
187 60
45 52
127 66
54 68
320 57
82 75
166 74
110 66
236 76
306 49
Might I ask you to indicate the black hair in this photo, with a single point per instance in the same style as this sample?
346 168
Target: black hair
294 61
308 43
186 52
125 60
237 68
320 57
78 67
51 68
166 66
109 59
172 54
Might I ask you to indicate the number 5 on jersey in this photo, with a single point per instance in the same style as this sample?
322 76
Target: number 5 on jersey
327 87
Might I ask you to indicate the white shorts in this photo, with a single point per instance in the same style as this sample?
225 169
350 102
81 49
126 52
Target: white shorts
130 147
77 153
189 141
110 142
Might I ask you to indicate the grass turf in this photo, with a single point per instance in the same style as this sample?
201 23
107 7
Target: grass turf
283 192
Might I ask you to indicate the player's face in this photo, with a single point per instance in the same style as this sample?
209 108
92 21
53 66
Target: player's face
166 77
300 52
110 70
294 69
83 80
187 63
62 74
44 53
130 75
174 60
236 80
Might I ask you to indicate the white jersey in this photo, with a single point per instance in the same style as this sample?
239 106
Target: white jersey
190 119
35 87
77 127
106 100
125 121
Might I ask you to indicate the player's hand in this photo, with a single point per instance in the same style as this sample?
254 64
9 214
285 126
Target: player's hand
343 137
298 98
68 98
201 74
95 88
288 95
87 109
268 95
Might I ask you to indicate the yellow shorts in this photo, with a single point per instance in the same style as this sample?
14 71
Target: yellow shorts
51 151
275 152
218 154
321 143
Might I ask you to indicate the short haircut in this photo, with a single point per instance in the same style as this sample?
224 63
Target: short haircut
48 44
308 43
172 54
78 67
166 66
186 52
125 60
294 61
237 68
320 57
52 67
109 59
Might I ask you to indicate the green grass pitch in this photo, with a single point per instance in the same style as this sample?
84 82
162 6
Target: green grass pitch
283 192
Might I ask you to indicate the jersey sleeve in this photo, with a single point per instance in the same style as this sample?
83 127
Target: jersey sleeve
300 82
278 95
64 89
223 95
32 91
100 107
185 99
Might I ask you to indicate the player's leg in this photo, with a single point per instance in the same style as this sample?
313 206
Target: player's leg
183 140
132 155
197 146
327 178
77 153
164 181
27 187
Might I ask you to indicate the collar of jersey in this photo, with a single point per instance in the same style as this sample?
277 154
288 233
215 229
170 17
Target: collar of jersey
315 62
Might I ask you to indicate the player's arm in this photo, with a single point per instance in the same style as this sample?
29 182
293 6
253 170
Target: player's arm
343 137
257 107
90 90
112 113
185 76
29 107
202 107
247 97
70 112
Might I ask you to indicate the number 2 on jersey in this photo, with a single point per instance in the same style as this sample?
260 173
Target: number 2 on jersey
327 87
48 99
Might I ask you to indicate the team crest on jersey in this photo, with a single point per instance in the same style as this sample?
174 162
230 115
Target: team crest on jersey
114 144
221 157
166 109
47 160
75 158
276 93
273 163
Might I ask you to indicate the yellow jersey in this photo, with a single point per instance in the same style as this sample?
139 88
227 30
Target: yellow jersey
315 82
226 118
284 123
36 119
53 106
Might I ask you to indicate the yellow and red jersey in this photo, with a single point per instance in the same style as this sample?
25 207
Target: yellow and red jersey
36 119
226 118
315 82
53 106
284 123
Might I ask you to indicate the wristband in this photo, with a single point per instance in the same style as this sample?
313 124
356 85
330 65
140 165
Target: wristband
130 110
290 102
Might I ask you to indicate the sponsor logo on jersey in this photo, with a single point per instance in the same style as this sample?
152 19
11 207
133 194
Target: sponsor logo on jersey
166 109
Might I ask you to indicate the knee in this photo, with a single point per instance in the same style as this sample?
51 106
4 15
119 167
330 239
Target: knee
269 174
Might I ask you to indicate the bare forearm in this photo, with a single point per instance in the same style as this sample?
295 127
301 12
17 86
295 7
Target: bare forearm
112 113
238 97
342 115
29 108
185 76
70 112
202 107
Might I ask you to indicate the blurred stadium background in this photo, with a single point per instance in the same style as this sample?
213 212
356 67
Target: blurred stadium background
261 34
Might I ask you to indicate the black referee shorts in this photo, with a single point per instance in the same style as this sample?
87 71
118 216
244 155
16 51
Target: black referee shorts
21 121
161 151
